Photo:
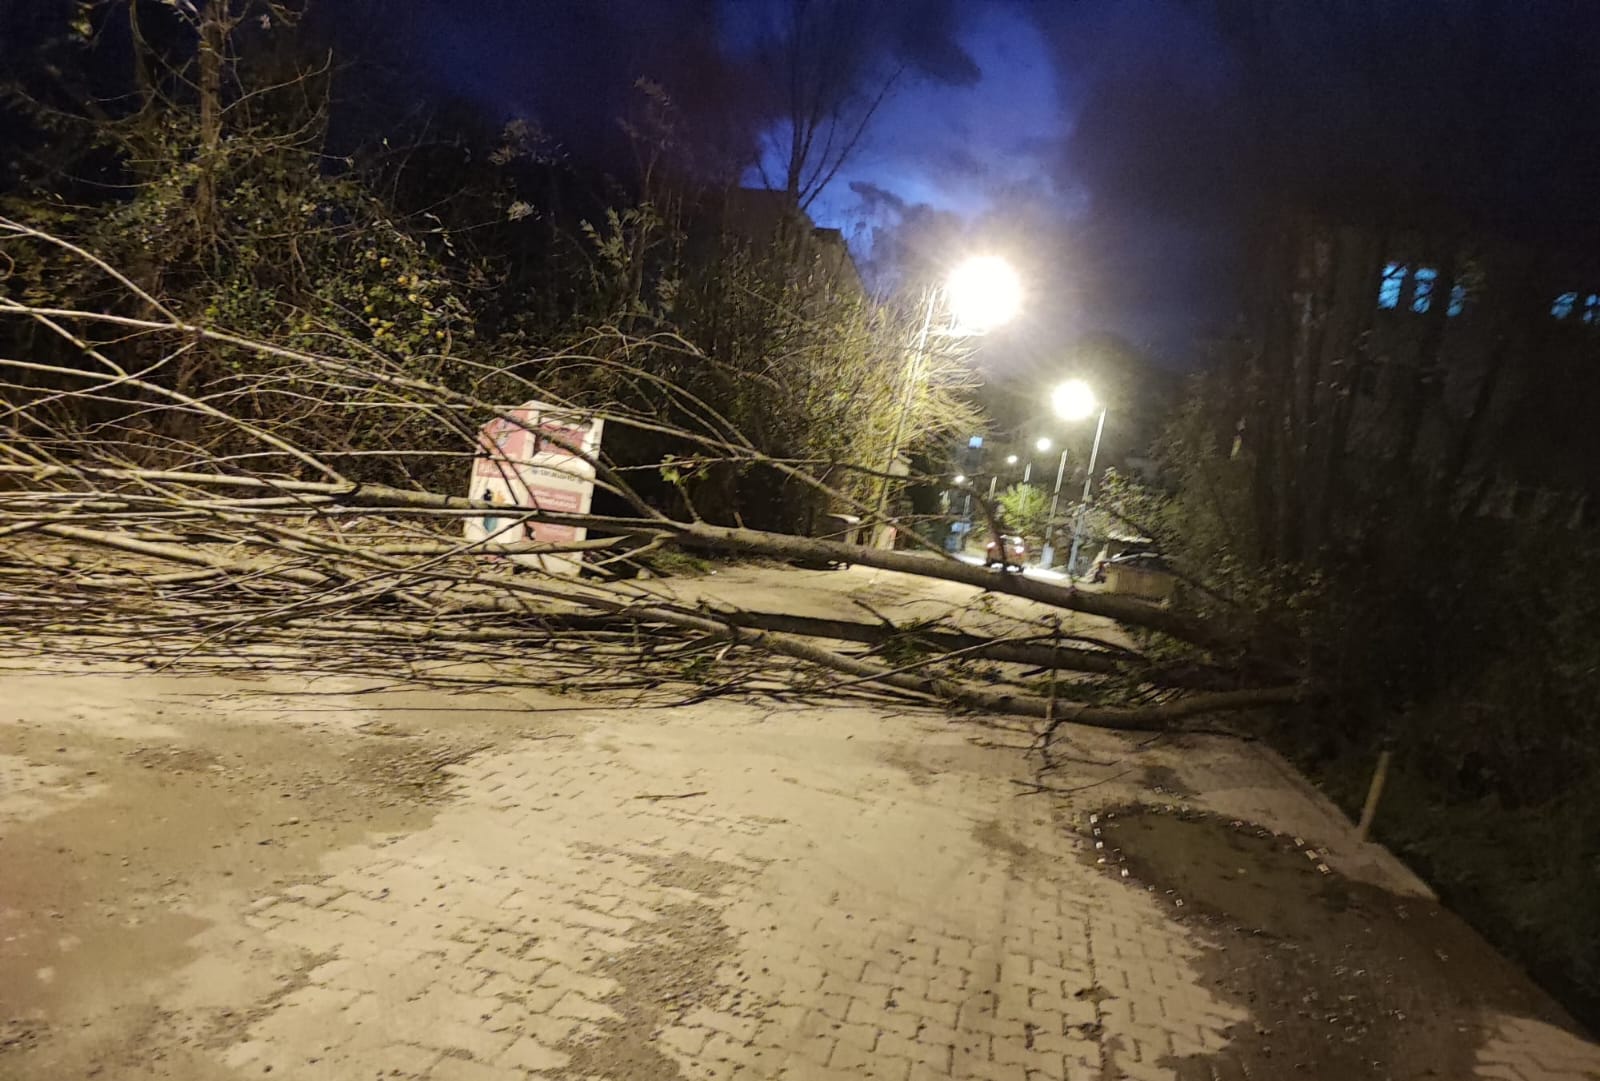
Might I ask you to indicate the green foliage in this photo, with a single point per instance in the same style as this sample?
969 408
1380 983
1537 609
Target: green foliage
672 563
1466 643
764 339
701 669
1025 509
451 259
1497 745
907 646
297 250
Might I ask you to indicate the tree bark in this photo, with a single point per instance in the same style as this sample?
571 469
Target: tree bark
725 627
717 538
213 46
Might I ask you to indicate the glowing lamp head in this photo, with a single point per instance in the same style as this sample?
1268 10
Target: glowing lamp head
983 292
1041 444
1073 400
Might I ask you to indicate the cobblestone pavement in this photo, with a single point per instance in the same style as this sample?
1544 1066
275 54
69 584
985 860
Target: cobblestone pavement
709 893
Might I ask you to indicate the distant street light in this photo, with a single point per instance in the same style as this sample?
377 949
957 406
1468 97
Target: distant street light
981 294
960 479
1073 400
1011 459
1042 445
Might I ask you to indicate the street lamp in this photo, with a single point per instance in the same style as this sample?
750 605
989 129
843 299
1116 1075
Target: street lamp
1073 400
981 294
1048 554
1011 459
1042 445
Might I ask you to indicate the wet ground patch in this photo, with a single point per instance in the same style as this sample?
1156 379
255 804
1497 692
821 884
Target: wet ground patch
1166 781
104 898
670 968
1341 979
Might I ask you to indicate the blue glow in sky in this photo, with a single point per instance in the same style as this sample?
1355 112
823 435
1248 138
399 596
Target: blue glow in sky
1115 150
967 150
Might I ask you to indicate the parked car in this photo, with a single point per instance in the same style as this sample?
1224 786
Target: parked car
1006 552
1142 558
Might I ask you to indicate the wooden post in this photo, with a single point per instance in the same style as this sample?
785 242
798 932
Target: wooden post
1374 793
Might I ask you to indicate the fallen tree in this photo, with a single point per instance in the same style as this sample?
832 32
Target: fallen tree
169 525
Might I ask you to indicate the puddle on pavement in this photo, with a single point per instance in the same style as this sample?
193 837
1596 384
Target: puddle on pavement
1340 979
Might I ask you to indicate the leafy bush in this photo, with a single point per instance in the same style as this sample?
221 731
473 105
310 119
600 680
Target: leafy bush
1468 644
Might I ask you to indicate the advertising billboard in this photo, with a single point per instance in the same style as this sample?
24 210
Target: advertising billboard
535 457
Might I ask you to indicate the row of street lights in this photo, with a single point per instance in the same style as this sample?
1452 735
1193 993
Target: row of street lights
981 294
1072 401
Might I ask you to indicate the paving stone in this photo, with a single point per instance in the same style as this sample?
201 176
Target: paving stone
530 1054
820 911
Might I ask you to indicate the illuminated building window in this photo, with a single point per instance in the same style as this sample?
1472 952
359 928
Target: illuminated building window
1402 288
1389 288
1422 283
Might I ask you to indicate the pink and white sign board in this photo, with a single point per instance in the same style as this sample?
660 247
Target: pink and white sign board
527 460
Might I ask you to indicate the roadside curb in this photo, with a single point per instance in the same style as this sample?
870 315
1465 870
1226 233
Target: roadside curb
1360 859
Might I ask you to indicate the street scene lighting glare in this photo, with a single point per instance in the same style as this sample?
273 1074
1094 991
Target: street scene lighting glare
1073 400
752 342
984 292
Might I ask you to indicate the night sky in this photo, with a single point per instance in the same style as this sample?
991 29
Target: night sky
1111 149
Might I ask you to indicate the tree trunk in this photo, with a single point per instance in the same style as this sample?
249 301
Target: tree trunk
213 46
1424 382
1348 366
1472 428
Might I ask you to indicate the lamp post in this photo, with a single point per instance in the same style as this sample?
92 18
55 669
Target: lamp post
981 293
994 478
961 482
1073 400
1049 552
1083 507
